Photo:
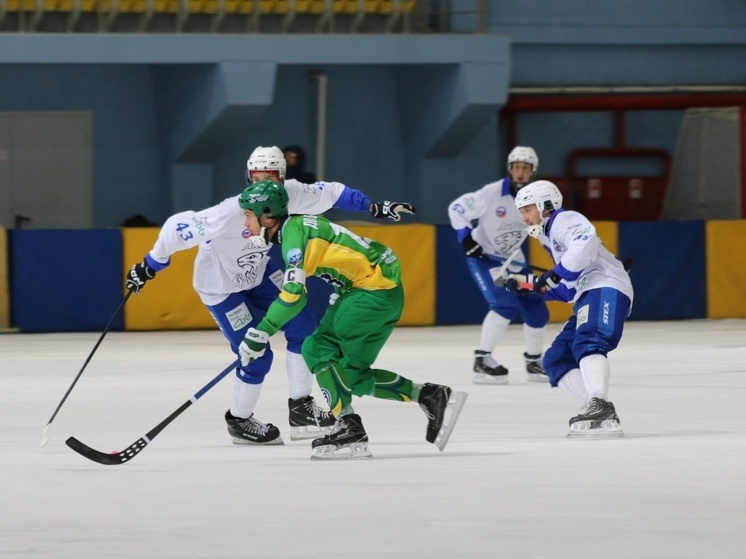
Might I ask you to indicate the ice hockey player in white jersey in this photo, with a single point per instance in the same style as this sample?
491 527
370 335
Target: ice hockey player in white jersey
595 281
237 281
498 233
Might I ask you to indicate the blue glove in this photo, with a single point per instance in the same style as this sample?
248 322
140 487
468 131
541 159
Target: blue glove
546 281
253 346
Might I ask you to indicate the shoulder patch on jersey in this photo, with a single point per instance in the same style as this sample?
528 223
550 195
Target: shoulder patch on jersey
458 208
294 256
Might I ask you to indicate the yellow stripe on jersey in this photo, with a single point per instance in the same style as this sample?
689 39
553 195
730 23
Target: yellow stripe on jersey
348 263
289 298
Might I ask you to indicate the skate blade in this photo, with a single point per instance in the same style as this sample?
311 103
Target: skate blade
533 377
306 432
608 429
246 442
354 451
481 378
455 404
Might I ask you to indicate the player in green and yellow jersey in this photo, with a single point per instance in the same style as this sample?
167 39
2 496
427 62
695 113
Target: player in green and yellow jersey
366 276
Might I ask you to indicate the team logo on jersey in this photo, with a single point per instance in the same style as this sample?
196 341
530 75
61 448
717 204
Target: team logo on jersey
249 263
556 246
501 211
507 241
294 256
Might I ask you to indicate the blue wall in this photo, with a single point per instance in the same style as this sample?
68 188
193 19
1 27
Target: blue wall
415 117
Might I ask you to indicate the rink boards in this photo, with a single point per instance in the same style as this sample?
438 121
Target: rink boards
72 280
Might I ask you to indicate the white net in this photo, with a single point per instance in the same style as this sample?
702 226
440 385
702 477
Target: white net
705 177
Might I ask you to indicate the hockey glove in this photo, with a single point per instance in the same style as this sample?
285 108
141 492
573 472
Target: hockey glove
520 283
138 275
546 281
472 249
253 346
390 210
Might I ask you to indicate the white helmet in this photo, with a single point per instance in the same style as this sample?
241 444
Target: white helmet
545 196
523 154
266 159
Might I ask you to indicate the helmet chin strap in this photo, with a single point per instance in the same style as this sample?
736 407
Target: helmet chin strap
260 240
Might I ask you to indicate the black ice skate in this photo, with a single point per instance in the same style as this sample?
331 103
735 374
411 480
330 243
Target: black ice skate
535 369
347 440
307 420
598 419
251 431
487 371
435 400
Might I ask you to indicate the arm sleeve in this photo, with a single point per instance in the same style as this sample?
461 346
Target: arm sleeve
582 243
464 210
185 230
319 197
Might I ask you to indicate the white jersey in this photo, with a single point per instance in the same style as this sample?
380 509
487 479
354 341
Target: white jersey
500 228
226 261
575 246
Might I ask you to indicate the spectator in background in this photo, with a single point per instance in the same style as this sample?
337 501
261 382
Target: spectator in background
295 156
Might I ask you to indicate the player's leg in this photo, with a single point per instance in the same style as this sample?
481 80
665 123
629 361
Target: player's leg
502 308
535 317
234 317
307 420
600 317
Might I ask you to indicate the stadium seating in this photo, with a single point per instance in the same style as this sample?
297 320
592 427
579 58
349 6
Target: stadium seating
176 15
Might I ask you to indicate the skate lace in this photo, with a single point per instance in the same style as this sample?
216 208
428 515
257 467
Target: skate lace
340 425
255 426
488 360
428 413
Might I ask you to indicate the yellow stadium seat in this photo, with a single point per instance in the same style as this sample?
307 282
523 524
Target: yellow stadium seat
245 7
387 6
266 6
303 6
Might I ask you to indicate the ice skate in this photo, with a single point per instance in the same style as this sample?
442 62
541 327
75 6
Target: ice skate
435 400
535 369
347 441
307 420
251 431
487 371
597 420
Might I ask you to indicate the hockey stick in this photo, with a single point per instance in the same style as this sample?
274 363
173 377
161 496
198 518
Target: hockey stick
627 263
45 433
115 458
499 280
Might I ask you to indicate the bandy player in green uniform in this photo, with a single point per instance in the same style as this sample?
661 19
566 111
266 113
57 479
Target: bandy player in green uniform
366 276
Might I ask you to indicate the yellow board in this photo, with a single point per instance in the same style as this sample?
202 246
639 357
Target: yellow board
607 231
726 258
168 302
4 293
414 245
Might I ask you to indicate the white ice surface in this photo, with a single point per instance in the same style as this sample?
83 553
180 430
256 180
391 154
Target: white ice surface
509 484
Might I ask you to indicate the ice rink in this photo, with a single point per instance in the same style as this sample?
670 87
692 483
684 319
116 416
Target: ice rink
509 484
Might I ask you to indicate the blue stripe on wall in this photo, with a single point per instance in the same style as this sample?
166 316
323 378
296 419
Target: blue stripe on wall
65 280
668 270
457 298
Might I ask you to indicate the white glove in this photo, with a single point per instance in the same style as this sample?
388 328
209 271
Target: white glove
253 346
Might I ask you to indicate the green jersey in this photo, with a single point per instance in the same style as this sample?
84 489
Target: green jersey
314 246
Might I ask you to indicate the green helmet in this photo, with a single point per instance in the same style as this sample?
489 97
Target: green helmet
267 197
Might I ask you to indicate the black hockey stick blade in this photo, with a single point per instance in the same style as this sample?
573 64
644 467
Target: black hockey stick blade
120 457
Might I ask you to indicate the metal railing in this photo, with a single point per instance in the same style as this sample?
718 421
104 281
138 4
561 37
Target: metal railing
243 16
